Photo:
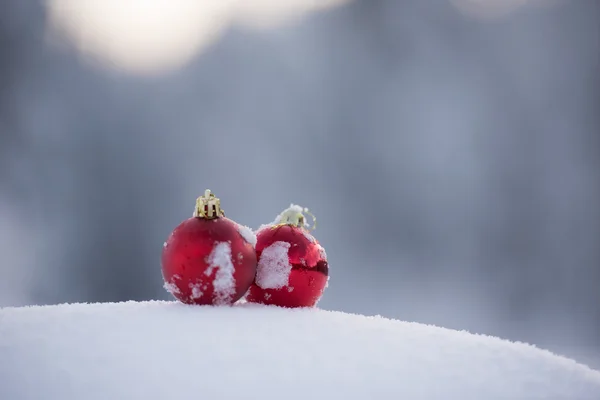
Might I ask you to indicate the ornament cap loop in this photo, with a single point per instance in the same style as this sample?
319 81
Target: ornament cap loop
208 206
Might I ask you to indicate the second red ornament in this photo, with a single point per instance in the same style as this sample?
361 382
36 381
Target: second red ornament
292 266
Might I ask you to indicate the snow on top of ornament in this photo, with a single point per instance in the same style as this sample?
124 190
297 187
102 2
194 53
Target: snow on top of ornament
247 234
291 211
307 235
224 282
274 268
289 214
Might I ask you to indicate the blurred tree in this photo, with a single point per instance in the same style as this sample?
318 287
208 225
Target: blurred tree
11 49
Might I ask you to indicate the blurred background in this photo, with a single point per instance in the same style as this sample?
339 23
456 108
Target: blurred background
449 149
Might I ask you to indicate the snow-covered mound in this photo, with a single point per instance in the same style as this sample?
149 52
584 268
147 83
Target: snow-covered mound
166 350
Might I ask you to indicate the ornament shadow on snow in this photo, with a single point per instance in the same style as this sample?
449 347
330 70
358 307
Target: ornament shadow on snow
209 259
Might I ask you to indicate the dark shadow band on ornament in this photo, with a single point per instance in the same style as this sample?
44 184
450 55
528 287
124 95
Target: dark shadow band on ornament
322 267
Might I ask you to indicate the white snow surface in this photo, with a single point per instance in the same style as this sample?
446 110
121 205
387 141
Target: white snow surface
224 281
167 350
274 268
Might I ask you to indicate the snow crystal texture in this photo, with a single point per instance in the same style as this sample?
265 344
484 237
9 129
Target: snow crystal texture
167 350
293 208
224 281
274 268
248 235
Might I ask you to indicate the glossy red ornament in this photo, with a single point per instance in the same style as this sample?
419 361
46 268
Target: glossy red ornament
209 259
292 266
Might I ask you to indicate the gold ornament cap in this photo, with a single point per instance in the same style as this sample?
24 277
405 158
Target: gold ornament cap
208 206
294 216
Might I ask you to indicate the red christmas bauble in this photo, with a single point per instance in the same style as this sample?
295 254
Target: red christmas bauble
292 266
209 259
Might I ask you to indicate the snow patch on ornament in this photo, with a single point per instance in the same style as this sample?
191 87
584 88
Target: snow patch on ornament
247 234
322 252
171 288
264 226
308 236
224 282
196 290
274 268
